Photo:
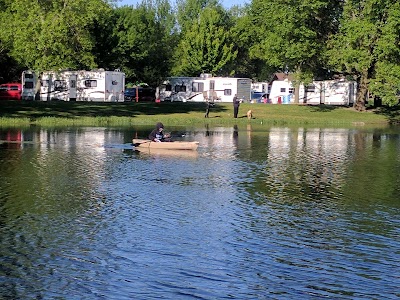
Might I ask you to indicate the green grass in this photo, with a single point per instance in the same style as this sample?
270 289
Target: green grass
13 113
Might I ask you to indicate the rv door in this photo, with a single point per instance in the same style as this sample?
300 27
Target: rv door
72 87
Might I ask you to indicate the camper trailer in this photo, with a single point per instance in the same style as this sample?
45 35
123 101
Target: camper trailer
96 85
100 85
260 91
205 87
29 85
58 86
330 92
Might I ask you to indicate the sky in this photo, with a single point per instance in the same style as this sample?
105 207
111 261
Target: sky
225 3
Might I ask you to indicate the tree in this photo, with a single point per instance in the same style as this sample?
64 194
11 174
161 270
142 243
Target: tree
292 34
52 34
206 46
244 38
367 47
146 40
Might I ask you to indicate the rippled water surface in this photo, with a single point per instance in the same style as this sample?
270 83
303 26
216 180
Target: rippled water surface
270 213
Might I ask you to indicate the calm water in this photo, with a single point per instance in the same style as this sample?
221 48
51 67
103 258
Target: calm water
267 213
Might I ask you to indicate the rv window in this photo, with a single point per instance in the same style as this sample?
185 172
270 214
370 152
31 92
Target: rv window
28 85
73 84
90 83
198 86
60 85
180 88
291 90
212 85
310 88
28 75
168 88
283 90
227 92
114 82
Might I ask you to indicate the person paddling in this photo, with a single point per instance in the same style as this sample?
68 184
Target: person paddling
157 135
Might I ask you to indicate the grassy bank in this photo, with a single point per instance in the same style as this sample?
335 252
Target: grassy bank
13 113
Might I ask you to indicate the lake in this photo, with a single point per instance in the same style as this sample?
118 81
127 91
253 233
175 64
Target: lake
256 213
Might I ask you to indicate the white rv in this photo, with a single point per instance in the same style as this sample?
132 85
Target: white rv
29 82
100 85
331 92
58 86
205 87
281 92
96 85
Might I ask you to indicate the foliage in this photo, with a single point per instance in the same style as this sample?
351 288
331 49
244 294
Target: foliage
367 47
145 35
52 34
206 47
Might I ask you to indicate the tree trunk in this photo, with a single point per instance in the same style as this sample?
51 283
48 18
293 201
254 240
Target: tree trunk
296 93
362 91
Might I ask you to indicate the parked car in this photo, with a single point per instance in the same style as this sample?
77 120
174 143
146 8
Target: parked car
10 91
144 94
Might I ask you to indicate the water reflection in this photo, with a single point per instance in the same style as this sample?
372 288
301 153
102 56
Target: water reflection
255 213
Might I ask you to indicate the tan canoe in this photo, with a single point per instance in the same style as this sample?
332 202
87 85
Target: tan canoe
177 145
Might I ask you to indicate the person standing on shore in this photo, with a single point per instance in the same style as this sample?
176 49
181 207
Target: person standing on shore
236 104
208 106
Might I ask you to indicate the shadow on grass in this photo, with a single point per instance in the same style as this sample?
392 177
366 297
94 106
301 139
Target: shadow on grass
391 113
34 110
323 108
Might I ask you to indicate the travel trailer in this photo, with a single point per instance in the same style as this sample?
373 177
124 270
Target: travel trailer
260 91
205 87
96 85
100 85
330 92
60 86
29 85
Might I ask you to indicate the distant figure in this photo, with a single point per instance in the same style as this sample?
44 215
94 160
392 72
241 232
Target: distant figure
157 135
209 104
236 104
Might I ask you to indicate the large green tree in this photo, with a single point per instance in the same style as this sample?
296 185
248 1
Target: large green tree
368 48
145 41
206 47
291 35
51 34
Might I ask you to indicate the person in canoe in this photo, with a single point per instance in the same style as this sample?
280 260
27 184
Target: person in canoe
158 135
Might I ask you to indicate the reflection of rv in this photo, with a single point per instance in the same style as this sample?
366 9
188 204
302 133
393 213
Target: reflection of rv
205 87
29 81
96 85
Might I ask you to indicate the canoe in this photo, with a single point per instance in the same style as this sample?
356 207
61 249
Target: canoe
185 154
177 145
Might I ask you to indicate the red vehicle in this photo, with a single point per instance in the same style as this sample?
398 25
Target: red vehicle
10 91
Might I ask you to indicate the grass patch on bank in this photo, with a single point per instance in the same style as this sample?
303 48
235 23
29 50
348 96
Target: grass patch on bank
15 113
